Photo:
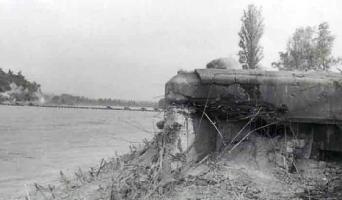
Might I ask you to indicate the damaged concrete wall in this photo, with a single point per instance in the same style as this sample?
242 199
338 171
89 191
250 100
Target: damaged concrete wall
191 136
308 97
306 102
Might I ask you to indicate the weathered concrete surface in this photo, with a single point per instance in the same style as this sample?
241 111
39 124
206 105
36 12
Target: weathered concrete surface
307 96
192 136
307 102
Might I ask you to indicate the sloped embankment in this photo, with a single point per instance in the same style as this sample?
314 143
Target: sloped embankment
172 166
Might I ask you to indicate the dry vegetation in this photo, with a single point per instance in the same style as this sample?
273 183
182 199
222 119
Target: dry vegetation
256 169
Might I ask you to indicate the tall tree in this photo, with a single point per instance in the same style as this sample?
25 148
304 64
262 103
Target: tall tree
325 42
309 48
300 50
251 31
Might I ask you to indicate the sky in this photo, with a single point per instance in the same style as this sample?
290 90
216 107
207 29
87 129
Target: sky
129 48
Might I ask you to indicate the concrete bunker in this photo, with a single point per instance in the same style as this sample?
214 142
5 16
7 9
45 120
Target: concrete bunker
220 109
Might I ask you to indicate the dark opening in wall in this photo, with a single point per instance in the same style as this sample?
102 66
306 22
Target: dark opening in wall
269 131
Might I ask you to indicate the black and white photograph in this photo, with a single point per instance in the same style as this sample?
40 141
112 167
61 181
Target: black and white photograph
170 100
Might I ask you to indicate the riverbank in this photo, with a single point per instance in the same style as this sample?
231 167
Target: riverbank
142 109
139 175
162 168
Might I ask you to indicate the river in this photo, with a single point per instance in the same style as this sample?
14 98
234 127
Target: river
36 143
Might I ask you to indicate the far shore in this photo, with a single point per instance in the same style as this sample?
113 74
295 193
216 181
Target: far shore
94 107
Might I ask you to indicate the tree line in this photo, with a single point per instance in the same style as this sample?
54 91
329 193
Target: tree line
14 86
67 99
309 48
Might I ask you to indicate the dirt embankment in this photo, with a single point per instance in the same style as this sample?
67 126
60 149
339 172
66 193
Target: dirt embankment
161 169
245 174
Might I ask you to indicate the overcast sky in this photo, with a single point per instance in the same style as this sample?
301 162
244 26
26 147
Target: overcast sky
130 48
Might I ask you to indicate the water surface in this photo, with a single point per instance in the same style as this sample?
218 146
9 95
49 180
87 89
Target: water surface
36 143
